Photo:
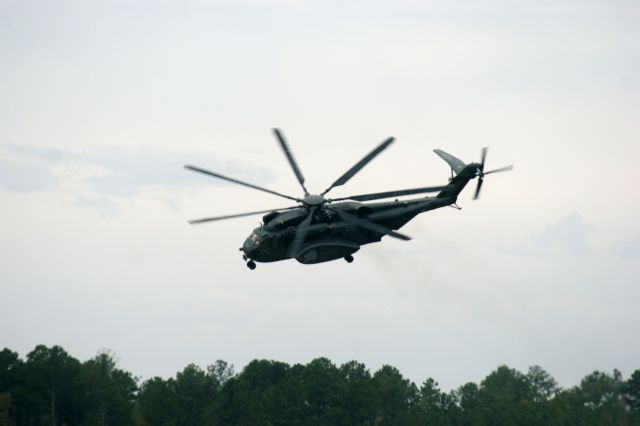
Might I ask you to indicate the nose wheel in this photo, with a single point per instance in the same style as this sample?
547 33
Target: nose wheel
348 258
250 263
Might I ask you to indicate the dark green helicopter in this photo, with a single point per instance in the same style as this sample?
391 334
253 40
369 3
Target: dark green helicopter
321 229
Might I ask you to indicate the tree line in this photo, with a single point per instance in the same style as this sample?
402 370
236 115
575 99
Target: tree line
51 387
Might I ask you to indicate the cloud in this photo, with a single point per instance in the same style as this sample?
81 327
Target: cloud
25 176
118 171
48 155
568 236
628 249
103 205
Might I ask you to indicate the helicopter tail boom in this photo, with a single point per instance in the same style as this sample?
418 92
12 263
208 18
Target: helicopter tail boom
457 183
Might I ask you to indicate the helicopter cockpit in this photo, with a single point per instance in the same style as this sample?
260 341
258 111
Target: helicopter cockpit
252 243
257 236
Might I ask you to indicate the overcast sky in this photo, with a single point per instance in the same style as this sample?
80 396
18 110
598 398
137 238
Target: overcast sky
102 102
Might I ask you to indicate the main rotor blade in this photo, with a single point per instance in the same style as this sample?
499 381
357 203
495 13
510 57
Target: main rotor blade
231 216
483 156
477 194
372 226
259 188
355 169
301 234
280 137
501 169
390 194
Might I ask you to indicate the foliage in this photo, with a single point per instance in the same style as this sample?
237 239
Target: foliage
109 392
51 387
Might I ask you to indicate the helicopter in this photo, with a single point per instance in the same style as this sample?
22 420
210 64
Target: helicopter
321 229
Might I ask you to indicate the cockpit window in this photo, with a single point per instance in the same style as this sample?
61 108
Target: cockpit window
258 236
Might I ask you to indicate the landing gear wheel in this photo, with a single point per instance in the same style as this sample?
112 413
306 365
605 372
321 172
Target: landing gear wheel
251 265
348 258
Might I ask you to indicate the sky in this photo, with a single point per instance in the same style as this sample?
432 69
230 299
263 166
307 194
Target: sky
103 102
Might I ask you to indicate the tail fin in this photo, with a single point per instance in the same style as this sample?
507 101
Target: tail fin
456 164
463 174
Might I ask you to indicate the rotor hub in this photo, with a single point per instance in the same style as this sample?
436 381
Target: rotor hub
313 200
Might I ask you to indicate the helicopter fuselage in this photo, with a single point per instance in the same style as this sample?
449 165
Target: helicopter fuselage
329 237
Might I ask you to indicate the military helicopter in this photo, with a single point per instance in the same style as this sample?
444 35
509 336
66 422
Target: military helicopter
320 229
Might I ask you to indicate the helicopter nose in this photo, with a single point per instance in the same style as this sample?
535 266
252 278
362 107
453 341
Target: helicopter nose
248 246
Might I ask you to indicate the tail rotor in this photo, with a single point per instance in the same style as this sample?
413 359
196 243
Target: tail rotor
480 173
